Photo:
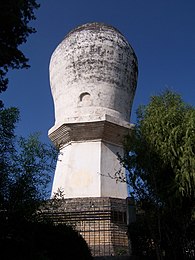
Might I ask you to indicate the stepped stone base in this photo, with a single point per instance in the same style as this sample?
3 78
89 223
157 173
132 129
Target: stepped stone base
101 222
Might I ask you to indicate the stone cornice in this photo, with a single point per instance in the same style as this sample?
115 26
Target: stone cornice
89 131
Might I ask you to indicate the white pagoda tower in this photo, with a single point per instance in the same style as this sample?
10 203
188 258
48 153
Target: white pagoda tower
93 76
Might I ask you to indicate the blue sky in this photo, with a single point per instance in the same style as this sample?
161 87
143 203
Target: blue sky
162 33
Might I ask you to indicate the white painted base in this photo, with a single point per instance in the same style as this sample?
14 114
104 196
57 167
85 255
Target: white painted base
83 170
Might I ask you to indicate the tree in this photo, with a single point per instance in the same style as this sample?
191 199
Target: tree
160 159
14 30
26 166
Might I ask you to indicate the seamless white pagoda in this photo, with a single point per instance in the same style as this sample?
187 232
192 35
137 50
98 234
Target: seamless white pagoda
93 75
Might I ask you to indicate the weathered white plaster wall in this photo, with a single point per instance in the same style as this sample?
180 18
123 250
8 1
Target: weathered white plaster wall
78 170
93 74
110 165
83 170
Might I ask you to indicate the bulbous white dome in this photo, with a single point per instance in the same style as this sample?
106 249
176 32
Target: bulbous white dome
93 72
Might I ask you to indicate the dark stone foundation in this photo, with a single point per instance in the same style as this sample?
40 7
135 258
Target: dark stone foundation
101 221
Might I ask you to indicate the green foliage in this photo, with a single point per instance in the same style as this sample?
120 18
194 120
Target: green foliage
26 166
14 30
160 158
8 119
167 126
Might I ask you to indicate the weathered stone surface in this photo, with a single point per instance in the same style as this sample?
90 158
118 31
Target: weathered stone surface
84 169
104 129
101 222
93 74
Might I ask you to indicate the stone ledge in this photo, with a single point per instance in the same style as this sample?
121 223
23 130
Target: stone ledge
87 131
93 119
